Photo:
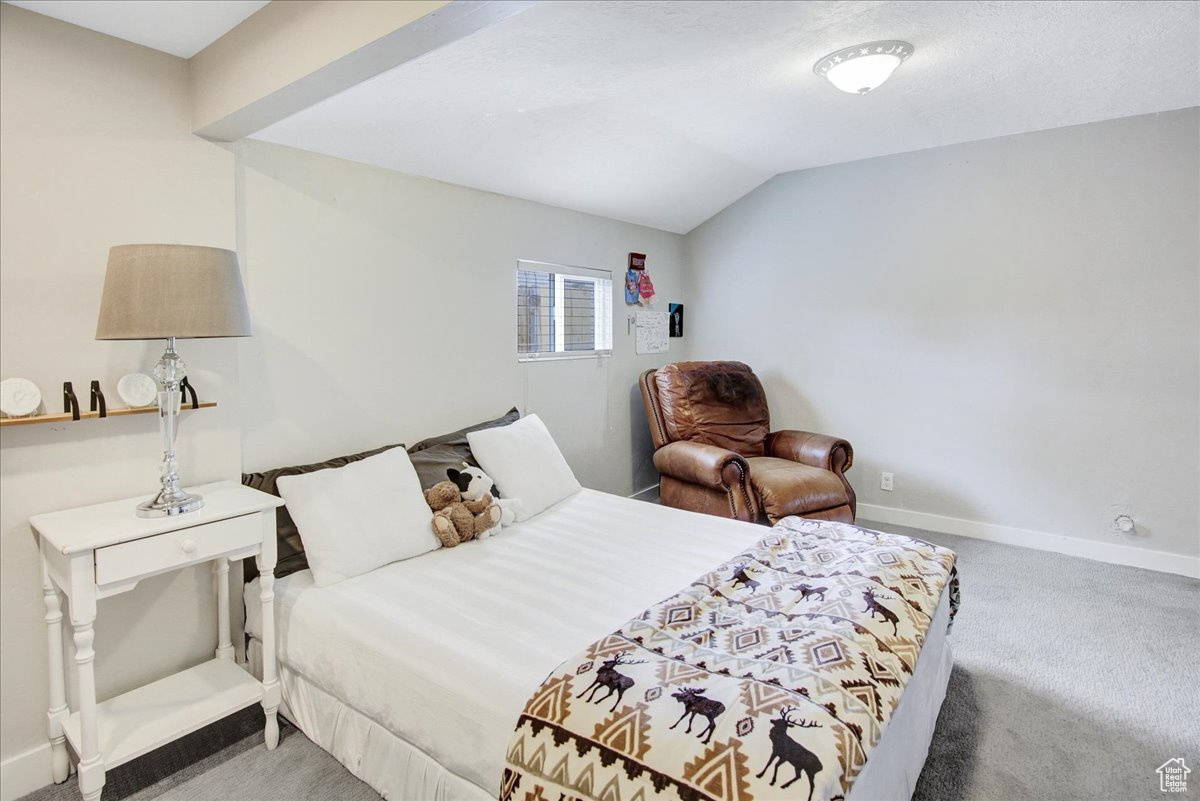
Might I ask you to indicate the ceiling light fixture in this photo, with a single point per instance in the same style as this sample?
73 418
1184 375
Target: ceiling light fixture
861 68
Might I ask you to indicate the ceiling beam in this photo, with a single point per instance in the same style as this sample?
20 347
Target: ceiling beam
293 54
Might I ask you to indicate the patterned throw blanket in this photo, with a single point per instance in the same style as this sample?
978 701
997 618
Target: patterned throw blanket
771 677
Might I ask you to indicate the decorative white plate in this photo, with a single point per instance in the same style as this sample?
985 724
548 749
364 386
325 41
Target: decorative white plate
138 389
19 397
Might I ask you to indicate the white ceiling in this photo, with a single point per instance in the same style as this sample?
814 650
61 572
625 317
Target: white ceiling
663 113
180 27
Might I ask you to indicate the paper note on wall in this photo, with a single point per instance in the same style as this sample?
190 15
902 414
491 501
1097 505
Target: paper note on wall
651 332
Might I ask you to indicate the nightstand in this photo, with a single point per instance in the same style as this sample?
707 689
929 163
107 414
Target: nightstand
96 551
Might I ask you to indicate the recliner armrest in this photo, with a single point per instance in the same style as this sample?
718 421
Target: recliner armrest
816 450
706 465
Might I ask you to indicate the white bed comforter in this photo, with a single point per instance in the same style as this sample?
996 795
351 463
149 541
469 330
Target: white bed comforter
444 649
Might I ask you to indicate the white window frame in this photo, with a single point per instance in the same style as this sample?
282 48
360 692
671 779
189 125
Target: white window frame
603 311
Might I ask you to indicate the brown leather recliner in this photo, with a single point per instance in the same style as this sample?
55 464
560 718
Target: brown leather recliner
717 454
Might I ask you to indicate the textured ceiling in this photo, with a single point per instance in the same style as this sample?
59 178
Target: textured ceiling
663 113
180 27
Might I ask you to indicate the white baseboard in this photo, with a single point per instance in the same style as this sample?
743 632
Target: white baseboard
1113 552
637 496
25 772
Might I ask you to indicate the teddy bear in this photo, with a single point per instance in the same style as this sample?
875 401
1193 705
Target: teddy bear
474 484
458 520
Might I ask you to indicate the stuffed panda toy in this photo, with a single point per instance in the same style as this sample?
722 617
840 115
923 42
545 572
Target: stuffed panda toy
473 483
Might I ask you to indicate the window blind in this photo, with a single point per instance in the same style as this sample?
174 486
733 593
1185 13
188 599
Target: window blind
563 312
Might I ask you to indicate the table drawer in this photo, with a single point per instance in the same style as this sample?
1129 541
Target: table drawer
174 549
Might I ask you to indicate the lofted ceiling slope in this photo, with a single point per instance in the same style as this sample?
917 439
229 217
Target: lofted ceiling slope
663 113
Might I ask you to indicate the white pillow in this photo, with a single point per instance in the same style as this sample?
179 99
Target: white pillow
356 518
525 463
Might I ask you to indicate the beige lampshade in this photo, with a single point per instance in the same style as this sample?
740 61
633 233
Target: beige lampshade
160 291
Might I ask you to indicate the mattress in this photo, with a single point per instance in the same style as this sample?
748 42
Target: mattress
440 650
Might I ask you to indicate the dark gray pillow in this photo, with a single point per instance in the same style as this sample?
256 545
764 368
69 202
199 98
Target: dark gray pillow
432 457
460 437
431 464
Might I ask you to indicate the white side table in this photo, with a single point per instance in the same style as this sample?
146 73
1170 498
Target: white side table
96 551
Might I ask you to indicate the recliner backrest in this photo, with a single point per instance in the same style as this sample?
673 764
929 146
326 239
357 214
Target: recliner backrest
717 403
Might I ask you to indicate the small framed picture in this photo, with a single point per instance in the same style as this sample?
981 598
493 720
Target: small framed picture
675 319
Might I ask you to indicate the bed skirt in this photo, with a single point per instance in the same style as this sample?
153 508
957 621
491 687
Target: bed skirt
400 771
396 769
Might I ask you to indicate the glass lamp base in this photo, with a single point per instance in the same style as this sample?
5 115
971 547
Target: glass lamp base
170 504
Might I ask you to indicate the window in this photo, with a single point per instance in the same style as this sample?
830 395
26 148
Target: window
563 312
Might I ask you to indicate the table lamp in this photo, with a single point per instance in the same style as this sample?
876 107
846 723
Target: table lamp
171 292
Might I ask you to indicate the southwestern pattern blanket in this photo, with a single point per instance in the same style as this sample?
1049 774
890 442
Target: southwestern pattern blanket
780 667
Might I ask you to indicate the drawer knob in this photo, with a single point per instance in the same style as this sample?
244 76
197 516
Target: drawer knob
188 546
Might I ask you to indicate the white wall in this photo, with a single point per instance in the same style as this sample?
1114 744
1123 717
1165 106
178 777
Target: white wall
96 151
1010 326
384 311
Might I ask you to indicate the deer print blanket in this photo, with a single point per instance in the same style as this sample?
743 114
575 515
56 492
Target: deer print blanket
770 677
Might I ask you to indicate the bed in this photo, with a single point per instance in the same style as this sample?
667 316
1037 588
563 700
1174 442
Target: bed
414 675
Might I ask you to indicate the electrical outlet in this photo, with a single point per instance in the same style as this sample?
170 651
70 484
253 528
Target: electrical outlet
885 482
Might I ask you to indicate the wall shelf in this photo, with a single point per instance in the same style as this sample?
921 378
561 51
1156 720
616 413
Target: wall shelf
65 417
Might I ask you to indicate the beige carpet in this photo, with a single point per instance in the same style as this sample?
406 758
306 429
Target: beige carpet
1073 679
